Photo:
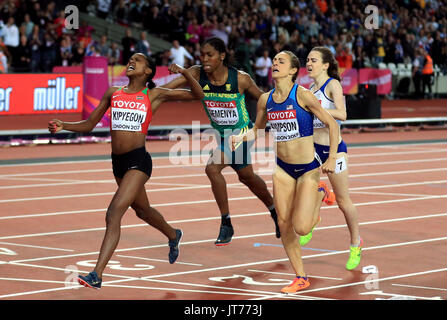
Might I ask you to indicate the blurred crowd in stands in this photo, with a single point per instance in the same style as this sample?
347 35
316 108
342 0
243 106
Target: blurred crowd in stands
34 39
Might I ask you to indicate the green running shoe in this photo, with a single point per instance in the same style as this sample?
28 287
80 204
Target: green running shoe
355 256
305 239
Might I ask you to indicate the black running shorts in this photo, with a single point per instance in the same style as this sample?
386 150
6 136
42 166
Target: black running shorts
138 159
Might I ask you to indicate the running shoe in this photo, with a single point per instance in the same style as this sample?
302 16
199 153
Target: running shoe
225 235
329 196
355 255
90 281
305 239
299 283
174 246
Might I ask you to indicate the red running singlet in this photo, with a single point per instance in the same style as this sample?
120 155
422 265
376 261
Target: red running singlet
130 111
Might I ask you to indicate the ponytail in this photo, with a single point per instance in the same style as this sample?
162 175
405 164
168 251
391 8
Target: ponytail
150 84
151 64
332 71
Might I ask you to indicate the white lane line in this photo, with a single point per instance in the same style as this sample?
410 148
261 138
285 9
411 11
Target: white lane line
53 214
183 165
159 260
260 263
399 296
389 194
70 287
63 173
36 247
112 181
233 291
31 280
379 163
409 184
164 289
156 159
266 181
369 281
418 287
230 288
292 274
387 221
216 218
170 189
286 259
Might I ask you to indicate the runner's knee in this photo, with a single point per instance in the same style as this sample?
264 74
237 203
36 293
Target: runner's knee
114 213
245 179
113 217
344 203
303 227
211 170
140 212
284 224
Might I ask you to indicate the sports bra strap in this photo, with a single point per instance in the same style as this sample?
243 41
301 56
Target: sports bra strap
325 84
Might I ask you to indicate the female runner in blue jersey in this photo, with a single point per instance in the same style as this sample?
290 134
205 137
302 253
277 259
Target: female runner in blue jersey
132 165
297 192
323 69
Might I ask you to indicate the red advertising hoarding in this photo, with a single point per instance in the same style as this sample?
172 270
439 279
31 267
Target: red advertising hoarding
380 77
40 93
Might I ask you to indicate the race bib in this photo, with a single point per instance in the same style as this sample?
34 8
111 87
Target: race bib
127 119
284 124
340 165
223 113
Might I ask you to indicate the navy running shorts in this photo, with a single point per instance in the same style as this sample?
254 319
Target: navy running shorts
297 170
323 151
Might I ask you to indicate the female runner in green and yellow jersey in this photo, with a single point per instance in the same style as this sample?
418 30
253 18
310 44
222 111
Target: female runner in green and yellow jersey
224 88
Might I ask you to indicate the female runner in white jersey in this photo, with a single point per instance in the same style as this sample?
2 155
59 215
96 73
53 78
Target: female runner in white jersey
323 69
297 190
132 107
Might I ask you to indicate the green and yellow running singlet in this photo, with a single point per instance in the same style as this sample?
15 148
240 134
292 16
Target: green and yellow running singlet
224 105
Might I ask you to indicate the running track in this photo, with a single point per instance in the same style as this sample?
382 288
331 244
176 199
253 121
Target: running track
53 200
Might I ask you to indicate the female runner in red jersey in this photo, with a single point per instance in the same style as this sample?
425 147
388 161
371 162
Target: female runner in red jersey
132 107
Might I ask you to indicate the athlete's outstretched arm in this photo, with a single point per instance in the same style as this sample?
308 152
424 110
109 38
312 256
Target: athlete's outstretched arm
261 123
196 89
180 82
161 94
87 125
